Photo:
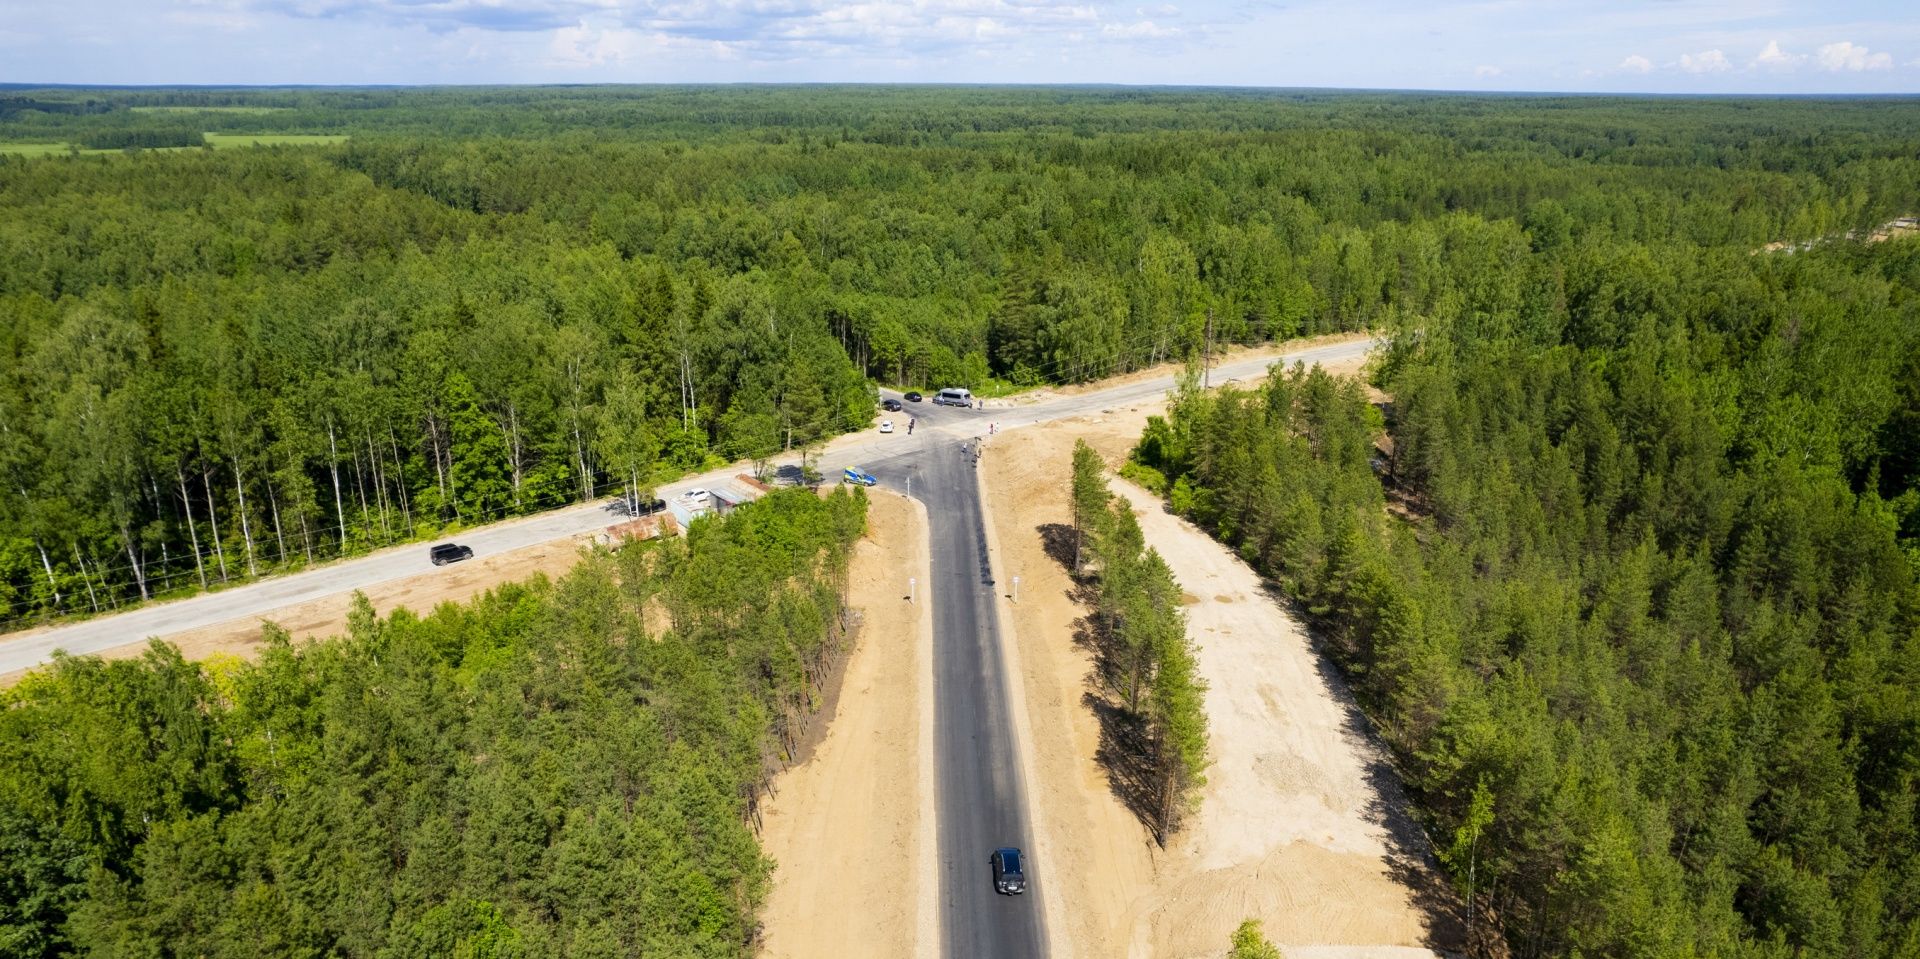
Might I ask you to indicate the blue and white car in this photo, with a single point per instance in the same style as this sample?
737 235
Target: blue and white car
858 476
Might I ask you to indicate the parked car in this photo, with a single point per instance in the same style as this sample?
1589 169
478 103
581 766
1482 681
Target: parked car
648 509
1009 872
450 553
913 397
857 476
953 397
886 426
891 406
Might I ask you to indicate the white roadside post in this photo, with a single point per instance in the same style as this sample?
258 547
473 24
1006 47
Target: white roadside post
911 584
1016 589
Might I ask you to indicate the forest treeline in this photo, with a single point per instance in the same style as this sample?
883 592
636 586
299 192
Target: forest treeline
540 772
215 363
1151 699
1625 574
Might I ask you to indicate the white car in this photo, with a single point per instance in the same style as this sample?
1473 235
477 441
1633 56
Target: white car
886 426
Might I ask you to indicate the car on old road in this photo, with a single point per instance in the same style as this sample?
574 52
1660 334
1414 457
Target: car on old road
891 406
886 426
913 397
1009 872
953 396
857 476
449 553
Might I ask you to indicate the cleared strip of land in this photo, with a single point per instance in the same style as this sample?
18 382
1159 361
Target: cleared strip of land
218 141
1301 824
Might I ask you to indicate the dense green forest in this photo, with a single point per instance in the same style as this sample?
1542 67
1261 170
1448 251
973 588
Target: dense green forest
1626 576
215 363
536 773
1625 571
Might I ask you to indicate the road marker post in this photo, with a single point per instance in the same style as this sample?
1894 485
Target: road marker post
1016 589
912 582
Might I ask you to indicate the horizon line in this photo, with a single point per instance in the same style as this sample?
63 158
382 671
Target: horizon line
1037 85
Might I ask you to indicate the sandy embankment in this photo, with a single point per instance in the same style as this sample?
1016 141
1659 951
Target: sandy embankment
1300 823
851 828
327 616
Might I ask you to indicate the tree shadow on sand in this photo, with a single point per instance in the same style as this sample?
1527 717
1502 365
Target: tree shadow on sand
1126 752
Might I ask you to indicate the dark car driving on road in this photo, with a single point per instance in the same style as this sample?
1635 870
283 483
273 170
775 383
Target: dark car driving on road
913 397
1009 872
450 553
891 406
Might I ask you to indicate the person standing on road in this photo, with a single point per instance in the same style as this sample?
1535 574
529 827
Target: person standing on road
910 422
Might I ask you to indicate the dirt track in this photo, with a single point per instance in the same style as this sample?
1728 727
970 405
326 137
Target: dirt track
1300 824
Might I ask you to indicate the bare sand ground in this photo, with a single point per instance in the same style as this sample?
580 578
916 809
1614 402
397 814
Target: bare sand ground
852 827
328 616
1225 355
1301 824
1095 858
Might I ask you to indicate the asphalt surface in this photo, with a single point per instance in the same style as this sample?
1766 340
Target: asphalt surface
980 798
981 802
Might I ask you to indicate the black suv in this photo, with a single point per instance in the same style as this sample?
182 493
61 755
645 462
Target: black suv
891 406
1009 874
450 553
913 397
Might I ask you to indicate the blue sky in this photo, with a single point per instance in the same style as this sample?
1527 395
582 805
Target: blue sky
1679 46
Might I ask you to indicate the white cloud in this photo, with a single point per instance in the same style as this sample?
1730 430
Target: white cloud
1706 61
1139 30
1845 57
1636 63
1774 58
1485 70
582 46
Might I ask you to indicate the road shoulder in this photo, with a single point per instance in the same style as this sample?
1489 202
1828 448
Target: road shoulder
851 829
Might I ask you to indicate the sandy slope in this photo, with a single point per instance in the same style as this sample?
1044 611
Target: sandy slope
852 827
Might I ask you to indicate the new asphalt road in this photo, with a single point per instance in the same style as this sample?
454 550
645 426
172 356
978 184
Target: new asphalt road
980 798
981 802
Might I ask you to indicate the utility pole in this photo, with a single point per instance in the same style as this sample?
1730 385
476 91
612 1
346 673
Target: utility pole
1206 364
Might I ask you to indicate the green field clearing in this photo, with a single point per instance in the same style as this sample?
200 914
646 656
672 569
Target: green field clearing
228 109
218 141
33 149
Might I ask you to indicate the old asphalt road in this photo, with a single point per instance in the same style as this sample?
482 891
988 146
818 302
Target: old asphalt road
867 448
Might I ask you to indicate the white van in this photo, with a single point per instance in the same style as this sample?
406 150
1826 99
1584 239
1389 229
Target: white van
953 396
